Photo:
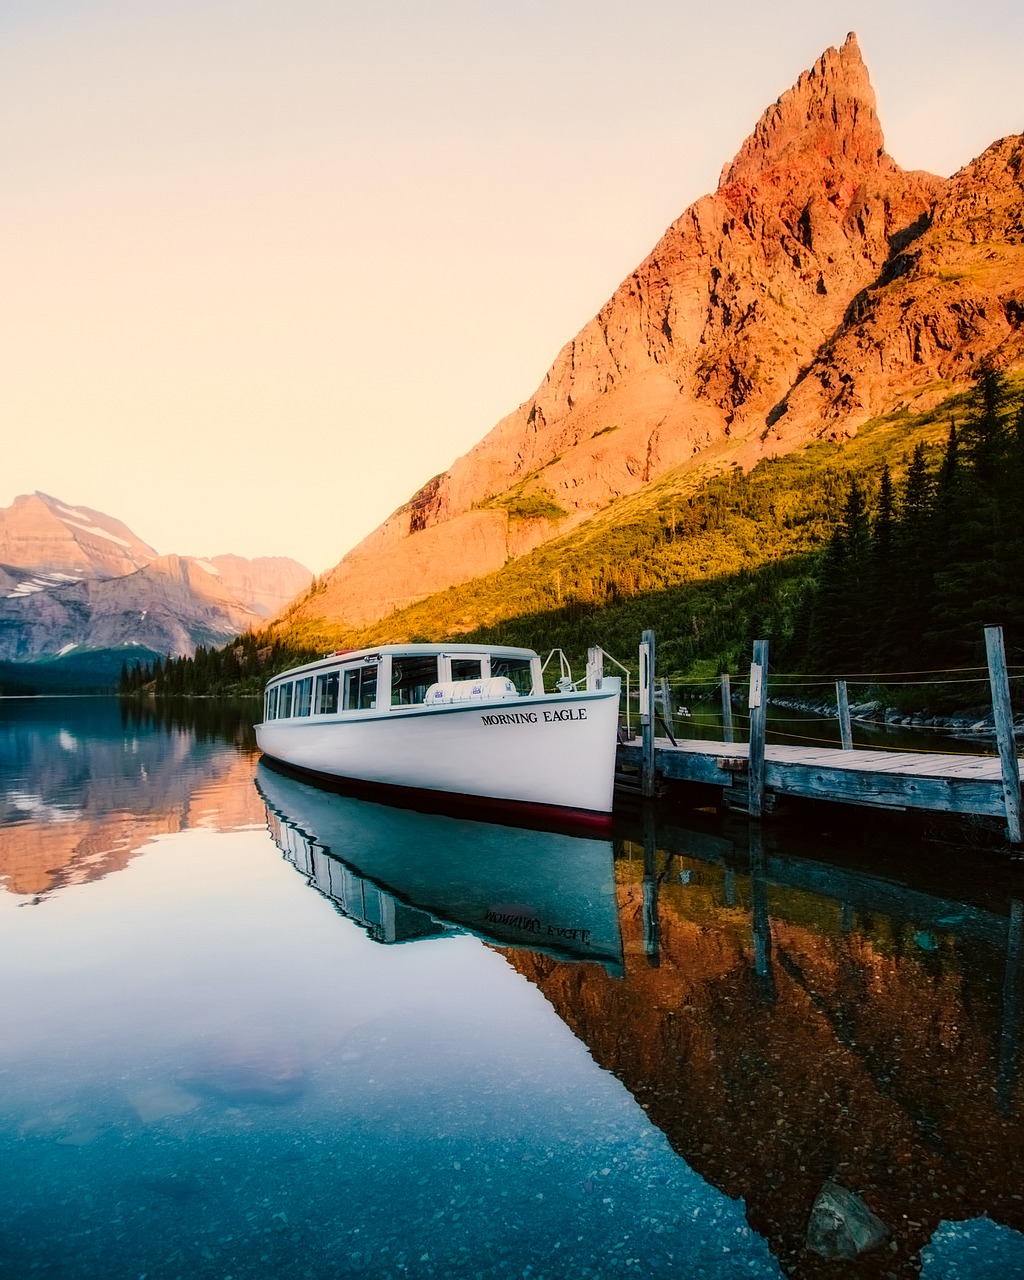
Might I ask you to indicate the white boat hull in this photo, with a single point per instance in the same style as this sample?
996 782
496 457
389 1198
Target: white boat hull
554 750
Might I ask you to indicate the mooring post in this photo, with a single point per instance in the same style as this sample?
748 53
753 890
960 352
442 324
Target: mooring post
843 703
647 656
1003 715
595 667
758 704
727 735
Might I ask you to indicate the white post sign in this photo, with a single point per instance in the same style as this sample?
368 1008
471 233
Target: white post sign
756 679
645 682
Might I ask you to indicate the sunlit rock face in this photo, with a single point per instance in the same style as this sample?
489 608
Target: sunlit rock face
265 584
818 285
43 535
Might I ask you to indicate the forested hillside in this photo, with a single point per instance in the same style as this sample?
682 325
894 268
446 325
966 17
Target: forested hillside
887 553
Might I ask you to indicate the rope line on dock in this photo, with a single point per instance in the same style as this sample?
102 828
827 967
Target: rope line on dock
791 682
856 677
861 746
878 724
792 719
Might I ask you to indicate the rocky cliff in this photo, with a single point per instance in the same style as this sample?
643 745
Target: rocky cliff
72 578
820 284
265 584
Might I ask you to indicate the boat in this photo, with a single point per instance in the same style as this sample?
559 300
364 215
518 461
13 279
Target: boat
404 876
467 723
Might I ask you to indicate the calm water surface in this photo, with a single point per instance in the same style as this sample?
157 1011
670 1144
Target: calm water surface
252 1029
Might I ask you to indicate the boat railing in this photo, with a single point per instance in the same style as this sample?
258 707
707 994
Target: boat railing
566 681
603 653
564 669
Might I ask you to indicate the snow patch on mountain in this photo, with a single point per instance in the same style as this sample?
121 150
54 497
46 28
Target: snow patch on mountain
98 533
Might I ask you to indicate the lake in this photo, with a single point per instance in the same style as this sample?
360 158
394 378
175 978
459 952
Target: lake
255 1029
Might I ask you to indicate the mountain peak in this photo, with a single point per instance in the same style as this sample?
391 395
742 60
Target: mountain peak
827 118
42 533
71 576
819 285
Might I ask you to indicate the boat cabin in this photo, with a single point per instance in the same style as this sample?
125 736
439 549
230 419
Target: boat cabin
393 676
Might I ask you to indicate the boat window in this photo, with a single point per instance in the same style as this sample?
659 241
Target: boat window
327 693
303 694
515 669
466 669
360 688
271 709
284 701
411 677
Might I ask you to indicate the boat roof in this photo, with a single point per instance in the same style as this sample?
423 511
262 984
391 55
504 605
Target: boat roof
343 657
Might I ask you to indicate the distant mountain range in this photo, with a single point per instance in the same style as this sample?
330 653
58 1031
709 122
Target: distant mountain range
819 287
74 580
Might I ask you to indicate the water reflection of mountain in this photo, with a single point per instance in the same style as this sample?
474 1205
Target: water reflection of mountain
85 782
404 875
786 1023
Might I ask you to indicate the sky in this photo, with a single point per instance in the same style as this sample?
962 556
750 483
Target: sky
266 266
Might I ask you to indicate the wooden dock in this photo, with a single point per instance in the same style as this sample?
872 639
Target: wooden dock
937 783
753 776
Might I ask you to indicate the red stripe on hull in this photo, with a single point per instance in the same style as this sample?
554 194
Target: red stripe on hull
513 813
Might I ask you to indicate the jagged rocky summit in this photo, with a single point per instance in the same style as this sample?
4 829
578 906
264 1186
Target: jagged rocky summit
818 286
74 579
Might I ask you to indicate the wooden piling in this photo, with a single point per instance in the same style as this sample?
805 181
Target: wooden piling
758 705
1003 715
843 704
727 734
647 659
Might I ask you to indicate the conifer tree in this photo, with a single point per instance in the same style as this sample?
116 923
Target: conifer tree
883 645
913 562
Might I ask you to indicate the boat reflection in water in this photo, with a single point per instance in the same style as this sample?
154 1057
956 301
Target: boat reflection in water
404 875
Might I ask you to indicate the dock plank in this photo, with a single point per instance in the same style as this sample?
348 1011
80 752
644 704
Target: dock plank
930 781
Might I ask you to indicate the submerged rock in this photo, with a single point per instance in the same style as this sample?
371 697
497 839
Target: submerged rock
841 1224
161 1102
246 1069
81 1137
176 1186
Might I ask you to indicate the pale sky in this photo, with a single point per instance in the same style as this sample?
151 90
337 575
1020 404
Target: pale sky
266 266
